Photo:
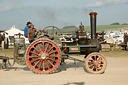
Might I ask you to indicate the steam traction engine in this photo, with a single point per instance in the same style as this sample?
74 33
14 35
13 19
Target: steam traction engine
49 50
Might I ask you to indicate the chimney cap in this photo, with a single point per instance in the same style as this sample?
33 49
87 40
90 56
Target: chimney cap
93 14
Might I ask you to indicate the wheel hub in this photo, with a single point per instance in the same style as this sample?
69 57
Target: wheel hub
95 63
44 56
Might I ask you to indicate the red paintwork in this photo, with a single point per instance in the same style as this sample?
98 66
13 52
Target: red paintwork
43 64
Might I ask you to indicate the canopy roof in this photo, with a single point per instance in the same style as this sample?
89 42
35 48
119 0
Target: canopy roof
13 30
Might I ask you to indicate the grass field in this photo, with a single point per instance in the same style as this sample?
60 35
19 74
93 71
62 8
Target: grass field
108 27
99 28
8 52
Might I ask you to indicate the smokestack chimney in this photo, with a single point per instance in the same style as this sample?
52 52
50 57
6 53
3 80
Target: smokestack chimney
93 24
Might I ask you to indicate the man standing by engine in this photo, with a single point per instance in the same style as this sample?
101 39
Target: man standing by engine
31 33
26 29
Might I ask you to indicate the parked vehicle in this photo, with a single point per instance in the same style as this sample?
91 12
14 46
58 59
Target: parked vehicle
3 40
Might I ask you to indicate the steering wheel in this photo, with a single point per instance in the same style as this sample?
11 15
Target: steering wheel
53 29
45 32
53 34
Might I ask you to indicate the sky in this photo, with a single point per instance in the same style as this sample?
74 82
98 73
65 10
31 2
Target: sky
61 13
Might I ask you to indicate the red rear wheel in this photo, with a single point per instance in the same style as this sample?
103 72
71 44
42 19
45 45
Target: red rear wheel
95 63
43 56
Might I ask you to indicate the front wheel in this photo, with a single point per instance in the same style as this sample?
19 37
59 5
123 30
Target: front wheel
95 63
43 56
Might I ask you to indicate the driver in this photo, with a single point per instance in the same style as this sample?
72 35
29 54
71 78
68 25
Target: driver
31 33
26 29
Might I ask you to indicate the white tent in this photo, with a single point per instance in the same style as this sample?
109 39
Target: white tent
12 31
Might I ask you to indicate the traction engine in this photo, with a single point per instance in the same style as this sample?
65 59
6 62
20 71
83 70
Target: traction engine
50 49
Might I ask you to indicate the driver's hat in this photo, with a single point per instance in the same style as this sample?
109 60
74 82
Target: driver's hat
28 23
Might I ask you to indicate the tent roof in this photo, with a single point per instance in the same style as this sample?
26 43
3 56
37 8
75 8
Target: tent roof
13 30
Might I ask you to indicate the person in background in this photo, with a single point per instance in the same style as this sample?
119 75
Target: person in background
31 33
26 29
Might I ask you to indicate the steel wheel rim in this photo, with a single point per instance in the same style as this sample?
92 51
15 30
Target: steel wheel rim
43 56
96 63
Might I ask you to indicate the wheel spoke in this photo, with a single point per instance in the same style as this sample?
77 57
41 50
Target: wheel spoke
42 45
52 52
96 68
39 47
99 68
34 52
100 58
40 64
95 58
33 56
43 66
52 59
91 65
92 68
34 60
91 62
50 63
50 49
101 63
36 49
47 65
91 58
36 63
46 47
53 56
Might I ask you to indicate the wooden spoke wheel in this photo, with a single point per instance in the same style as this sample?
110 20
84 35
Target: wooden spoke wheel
95 63
43 56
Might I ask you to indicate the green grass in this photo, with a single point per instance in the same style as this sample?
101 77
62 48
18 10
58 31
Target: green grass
107 27
99 28
9 52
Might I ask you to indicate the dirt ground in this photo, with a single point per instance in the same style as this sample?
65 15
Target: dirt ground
70 74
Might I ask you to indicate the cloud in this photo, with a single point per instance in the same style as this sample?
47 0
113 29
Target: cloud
106 2
96 4
116 1
9 8
9 5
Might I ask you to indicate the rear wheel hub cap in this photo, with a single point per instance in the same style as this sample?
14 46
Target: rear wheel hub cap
95 63
44 56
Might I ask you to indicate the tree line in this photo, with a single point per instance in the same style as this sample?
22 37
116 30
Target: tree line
117 23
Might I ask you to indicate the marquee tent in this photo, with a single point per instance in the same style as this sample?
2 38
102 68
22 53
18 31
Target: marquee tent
13 30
